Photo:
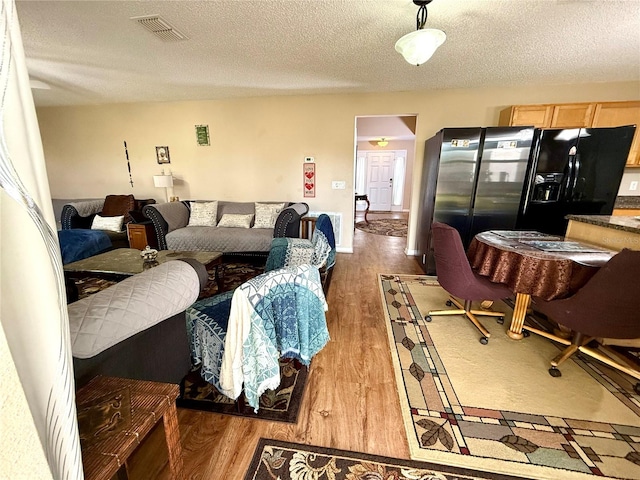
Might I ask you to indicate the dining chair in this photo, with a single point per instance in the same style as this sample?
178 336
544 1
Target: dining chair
459 280
605 309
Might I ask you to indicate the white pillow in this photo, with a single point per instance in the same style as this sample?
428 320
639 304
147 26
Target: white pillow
236 220
203 214
267 214
112 224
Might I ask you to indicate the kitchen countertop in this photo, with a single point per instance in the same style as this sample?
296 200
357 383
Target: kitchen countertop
627 224
625 201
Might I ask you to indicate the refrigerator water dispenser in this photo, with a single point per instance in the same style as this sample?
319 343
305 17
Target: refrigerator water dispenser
547 187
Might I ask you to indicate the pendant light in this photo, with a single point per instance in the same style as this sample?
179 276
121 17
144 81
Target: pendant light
418 47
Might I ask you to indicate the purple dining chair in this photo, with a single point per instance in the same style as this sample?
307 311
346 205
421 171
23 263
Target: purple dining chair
459 280
606 307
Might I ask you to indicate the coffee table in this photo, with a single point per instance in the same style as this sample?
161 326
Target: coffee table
124 262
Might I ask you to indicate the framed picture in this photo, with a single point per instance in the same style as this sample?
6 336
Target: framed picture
162 154
202 135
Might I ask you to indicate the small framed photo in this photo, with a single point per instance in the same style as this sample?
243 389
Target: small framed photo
202 135
162 154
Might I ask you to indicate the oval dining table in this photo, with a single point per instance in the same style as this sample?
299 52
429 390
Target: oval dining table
534 264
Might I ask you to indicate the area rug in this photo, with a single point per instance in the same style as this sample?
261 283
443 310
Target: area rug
392 227
275 459
281 404
495 407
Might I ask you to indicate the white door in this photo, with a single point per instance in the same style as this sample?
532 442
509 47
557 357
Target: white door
380 180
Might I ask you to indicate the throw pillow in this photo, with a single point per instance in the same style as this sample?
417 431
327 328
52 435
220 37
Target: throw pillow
112 224
267 214
203 214
235 220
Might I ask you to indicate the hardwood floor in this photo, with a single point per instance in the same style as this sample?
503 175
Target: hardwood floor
351 401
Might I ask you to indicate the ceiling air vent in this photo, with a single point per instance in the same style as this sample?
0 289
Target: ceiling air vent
160 28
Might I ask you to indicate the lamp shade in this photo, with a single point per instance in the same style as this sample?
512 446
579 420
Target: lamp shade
163 181
418 47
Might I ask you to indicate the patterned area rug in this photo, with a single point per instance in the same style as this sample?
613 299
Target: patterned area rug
495 407
392 227
274 459
282 404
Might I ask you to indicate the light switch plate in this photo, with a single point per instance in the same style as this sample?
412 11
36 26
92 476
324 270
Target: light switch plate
338 185
633 185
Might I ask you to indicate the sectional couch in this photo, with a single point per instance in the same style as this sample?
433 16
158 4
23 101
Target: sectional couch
174 227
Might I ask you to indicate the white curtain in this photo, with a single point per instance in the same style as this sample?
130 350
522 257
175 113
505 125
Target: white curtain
33 310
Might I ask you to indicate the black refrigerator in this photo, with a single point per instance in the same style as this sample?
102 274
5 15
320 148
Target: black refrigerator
573 171
472 179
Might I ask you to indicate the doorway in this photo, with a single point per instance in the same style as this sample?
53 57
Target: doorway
381 176
383 167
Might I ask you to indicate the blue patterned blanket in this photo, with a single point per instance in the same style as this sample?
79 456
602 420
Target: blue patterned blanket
207 321
278 313
320 251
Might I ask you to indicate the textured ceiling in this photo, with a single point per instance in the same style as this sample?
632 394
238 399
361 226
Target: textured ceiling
90 52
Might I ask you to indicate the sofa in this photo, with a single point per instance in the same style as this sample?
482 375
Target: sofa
82 214
137 327
176 227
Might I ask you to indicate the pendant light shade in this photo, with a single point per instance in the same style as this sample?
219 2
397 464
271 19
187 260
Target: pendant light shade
418 47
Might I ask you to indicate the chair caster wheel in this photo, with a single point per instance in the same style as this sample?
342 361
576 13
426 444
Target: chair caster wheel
500 320
554 372
448 303
484 340
637 388
526 333
428 318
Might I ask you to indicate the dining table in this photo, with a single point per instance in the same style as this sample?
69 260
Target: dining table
534 264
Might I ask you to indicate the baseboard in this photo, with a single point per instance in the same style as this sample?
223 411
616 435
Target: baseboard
344 249
411 253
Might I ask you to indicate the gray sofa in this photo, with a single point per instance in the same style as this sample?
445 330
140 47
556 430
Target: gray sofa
137 327
171 224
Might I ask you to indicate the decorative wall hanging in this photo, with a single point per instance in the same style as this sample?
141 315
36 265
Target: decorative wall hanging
162 154
202 135
126 154
309 179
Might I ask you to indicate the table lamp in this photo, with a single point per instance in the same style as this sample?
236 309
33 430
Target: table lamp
163 181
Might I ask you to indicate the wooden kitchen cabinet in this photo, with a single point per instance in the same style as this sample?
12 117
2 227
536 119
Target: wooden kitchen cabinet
616 114
141 235
574 115
577 115
524 115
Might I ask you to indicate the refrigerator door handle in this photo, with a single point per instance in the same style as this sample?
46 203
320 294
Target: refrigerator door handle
566 195
576 173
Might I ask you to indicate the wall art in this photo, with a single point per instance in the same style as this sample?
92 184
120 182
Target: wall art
202 135
162 154
309 179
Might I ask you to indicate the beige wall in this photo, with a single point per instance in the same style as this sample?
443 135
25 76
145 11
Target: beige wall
258 144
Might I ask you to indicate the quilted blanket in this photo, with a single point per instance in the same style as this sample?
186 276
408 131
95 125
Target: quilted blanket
106 318
278 313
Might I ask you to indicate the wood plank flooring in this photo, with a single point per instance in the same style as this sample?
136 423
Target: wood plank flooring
350 402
